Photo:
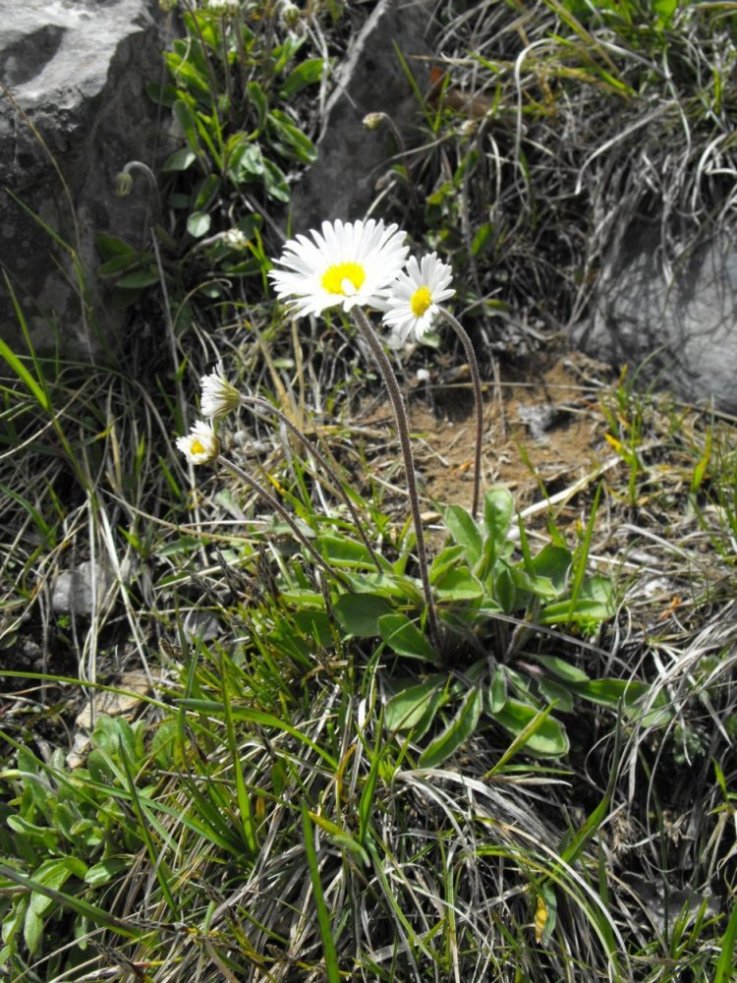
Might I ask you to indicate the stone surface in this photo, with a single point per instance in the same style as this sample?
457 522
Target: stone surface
73 112
352 159
677 333
81 590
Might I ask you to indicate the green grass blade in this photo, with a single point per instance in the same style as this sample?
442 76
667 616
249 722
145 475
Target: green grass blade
261 718
725 965
323 916
36 390
155 855
244 800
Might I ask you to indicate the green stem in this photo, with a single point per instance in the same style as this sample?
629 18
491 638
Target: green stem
400 415
258 402
277 506
477 399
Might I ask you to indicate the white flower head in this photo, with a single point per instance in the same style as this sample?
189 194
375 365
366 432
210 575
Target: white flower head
235 239
200 445
224 8
219 397
347 264
415 297
289 14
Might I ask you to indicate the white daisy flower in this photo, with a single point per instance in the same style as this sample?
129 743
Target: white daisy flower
200 445
414 298
219 397
347 264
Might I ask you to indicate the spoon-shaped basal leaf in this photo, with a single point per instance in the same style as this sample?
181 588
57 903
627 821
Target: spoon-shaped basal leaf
458 731
548 738
414 707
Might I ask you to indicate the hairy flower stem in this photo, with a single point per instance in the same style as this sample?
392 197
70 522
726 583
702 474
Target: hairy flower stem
400 415
477 400
255 402
277 506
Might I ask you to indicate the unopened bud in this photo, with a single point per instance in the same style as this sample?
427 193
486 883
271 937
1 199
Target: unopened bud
468 129
289 15
123 184
372 121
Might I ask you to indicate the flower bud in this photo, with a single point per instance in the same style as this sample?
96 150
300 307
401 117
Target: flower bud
372 121
123 184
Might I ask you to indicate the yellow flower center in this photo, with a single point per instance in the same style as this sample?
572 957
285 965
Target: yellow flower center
197 447
420 301
343 278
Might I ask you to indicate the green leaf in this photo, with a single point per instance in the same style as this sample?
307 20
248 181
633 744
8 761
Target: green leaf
306 73
186 119
631 693
585 611
180 160
465 532
553 563
498 691
410 707
458 585
276 183
33 928
504 591
111 246
198 224
498 513
548 737
315 624
555 693
482 238
458 731
560 668
138 279
392 585
359 614
118 264
206 193
52 874
665 9
244 160
257 98
445 560
31 831
289 139
341 551
164 95
103 872
405 638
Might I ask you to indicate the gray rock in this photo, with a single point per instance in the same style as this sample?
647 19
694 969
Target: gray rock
73 112
352 159
81 590
677 332
202 626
